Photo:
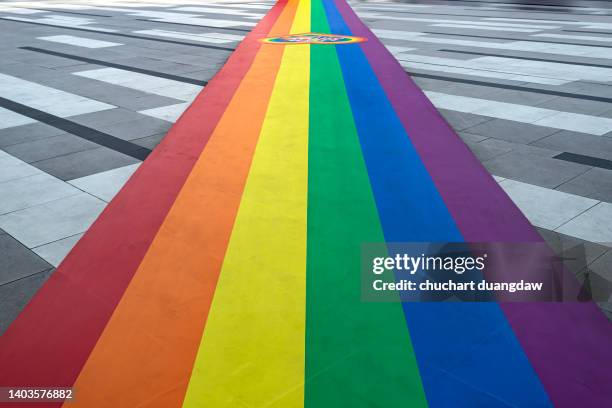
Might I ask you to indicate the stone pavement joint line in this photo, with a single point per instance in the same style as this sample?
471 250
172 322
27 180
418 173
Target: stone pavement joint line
223 273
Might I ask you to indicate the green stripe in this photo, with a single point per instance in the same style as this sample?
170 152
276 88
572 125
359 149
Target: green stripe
357 354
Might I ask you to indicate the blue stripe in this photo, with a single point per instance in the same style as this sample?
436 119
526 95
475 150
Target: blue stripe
467 353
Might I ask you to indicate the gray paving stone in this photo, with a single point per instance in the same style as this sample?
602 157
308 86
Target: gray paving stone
595 183
84 163
106 117
16 295
469 90
17 261
576 105
136 129
461 121
579 143
600 280
534 169
26 192
27 133
490 148
194 60
432 84
591 225
519 97
200 74
147 101
471 138
52 221
577 253
150 142
56 251
511 131
49 147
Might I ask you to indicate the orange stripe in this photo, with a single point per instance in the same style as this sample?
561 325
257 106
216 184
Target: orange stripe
146 352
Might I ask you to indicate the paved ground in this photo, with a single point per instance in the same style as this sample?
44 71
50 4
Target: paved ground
88 89
223 272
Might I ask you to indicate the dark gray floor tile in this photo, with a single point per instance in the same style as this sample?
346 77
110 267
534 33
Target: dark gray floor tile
595 183
461 121
579 143
84 163
511 131
49 147
534 169
16 295
27 133
17 261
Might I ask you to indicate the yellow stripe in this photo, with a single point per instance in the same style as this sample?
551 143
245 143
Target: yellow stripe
252 350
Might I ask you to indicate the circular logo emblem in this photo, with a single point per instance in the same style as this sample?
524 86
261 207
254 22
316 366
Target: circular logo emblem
313 38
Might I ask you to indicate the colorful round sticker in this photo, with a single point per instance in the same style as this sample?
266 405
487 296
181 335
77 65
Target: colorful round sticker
313 38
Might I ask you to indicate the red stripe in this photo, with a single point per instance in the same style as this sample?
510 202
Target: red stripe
50 341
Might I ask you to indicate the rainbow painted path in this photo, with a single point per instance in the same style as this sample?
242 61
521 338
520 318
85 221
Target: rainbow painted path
226 272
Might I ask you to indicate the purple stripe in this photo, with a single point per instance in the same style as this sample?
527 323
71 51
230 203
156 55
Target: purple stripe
568 344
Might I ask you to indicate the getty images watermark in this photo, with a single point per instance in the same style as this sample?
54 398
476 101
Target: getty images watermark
477 272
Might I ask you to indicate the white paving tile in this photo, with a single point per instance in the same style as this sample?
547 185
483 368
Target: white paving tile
529 46
107 184
61 21
477 72
492 27
578 123
551 73
183 18
594 125
52 221
526 20
18 10
208 22
47 99
544 207
11 119
169 113
576 37
243 6
12 168
448 21
25 192
142 82
395 49
512 111
211 38
594 225
79 41
230 11
55 252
